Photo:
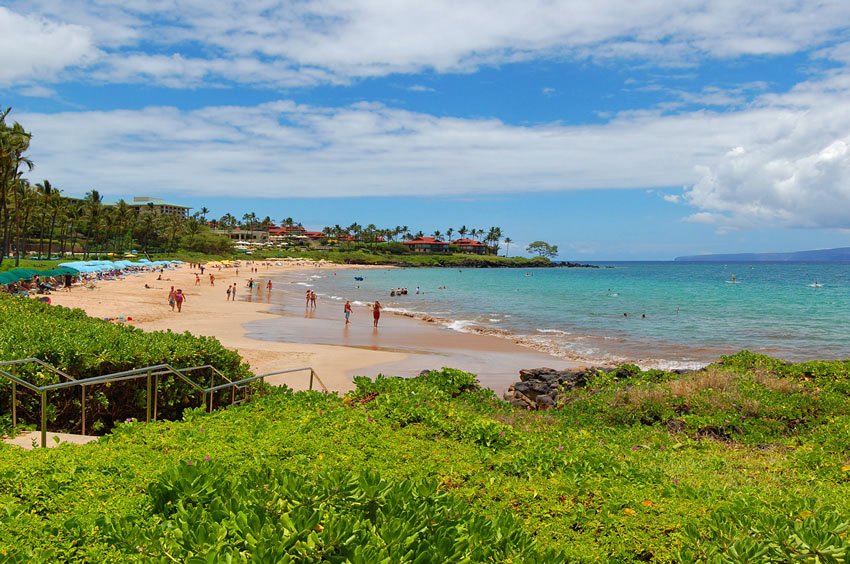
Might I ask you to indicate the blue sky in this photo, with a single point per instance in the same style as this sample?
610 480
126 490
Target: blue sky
616 130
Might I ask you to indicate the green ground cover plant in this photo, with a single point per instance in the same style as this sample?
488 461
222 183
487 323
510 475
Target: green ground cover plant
84 347
624 471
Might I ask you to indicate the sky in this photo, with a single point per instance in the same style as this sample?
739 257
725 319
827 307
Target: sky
615 129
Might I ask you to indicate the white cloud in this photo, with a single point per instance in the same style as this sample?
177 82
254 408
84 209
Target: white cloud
420 88
34 48
672 198
291 43
37 91
548 91
783 160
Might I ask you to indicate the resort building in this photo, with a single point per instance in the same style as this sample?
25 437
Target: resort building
471 246
427 245
286 234
244 235
158 206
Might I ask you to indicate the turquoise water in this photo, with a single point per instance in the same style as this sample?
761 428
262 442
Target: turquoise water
693 312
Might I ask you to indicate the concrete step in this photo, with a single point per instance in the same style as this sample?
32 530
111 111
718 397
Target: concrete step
32 439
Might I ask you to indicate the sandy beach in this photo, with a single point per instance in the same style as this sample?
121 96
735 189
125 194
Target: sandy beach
292 337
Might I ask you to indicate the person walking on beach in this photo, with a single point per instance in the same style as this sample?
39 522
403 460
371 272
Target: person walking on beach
347 311
233 294
171 298
178 299
269 286
228 293
212 279
313 299
308 298
197 279
376 313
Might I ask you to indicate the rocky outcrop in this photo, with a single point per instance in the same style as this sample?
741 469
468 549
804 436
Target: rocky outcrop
538 388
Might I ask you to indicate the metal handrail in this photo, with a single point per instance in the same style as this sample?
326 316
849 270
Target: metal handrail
149 372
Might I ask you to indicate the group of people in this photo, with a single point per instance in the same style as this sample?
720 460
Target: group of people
176 299
311 299
251 284
375 307
398 292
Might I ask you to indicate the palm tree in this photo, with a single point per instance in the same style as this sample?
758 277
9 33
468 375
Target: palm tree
93 202
449 232
45 190
462 231
14 142
508 242
437 234
249 220
204 212
227 221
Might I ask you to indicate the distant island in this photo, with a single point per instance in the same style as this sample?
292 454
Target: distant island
841 254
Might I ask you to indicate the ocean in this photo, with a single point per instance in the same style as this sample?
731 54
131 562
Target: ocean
654 314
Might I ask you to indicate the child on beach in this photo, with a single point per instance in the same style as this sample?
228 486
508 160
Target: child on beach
347 311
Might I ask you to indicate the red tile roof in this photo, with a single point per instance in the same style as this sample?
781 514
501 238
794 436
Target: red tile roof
468 243
424 241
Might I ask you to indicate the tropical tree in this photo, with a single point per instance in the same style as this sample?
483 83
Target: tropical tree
542 249
227 221
45 190
14 142
508 242
92 204
462 231
204 212
449 233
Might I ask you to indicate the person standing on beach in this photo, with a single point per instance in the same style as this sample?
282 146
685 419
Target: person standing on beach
313 299
228 293
212 279
347 311
171 298
269 286
197 279
376 313
178 299
308 298
233 294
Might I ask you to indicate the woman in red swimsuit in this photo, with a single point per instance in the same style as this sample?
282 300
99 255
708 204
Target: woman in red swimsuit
376 312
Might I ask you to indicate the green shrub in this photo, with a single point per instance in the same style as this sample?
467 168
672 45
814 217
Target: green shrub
202 511
84 347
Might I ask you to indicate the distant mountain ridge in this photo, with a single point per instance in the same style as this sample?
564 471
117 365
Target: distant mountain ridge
841 254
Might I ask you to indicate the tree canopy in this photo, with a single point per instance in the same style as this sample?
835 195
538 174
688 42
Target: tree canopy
543 249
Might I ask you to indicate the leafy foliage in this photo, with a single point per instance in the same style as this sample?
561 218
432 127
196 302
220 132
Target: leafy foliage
205 511
398 464
83 347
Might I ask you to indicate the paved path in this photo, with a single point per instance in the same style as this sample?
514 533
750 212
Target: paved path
25 440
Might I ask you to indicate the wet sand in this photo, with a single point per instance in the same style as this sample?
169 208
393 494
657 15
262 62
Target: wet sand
273 338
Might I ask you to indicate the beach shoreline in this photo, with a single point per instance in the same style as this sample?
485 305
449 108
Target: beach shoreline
401 346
